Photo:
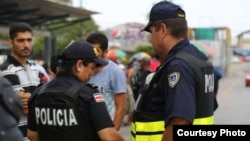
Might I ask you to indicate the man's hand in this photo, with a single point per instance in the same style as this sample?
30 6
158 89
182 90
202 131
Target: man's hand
24 97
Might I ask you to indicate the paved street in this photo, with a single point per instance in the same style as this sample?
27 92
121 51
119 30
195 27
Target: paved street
234 97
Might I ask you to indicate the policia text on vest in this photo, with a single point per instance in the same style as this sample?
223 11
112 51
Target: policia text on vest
55 117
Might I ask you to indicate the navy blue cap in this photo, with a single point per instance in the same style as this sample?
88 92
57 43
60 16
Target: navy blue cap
164 10
82 50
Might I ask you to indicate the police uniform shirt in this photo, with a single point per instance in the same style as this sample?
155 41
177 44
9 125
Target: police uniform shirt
92 110
175 90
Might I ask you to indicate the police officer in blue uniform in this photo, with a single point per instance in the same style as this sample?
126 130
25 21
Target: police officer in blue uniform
68 108
181 91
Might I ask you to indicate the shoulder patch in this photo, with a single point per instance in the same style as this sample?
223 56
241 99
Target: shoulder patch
173 79
92 85
98 97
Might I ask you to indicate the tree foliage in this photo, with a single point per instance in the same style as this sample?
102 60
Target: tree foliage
66 34
78 31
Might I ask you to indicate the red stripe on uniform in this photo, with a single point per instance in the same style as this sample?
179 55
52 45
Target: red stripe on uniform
99 97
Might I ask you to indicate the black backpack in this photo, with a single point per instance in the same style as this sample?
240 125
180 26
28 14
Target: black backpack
10 111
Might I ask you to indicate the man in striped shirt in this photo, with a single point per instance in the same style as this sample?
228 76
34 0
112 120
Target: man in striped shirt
23 75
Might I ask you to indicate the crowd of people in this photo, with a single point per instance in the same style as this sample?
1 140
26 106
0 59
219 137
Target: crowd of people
82 94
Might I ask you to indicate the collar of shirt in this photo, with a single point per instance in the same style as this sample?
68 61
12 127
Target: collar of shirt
12 60
66 75
179 46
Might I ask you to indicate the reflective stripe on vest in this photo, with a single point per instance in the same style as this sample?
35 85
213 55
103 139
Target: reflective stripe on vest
153 131
204 121
147 131
147 138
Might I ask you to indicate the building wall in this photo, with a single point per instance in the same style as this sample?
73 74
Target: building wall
127 36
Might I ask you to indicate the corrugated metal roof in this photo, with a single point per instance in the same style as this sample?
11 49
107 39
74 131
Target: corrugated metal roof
38 12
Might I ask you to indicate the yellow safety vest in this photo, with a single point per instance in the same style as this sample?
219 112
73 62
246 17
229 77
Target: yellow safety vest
153 130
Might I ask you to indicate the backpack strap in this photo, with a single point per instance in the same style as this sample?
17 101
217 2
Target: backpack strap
43 88
72 91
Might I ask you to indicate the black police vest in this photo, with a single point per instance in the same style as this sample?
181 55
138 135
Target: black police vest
205 90
205 86
150 126
57 116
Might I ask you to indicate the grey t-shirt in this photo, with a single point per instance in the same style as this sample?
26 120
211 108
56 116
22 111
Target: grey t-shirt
110 81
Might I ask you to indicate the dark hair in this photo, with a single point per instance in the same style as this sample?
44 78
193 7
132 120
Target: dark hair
98 38
54 62
19 27
177 26
66 64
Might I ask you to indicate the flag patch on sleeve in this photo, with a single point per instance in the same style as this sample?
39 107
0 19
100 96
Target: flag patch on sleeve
99 97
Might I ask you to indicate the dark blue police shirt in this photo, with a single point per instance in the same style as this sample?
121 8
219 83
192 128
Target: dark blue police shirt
175 90
93 112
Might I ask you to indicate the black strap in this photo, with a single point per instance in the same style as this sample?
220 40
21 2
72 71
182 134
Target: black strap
42 89
74 89
70 92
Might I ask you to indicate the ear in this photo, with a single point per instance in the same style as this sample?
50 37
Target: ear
79 65
11 43
105 53
164 29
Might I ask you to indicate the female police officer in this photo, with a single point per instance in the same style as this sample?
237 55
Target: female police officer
67 108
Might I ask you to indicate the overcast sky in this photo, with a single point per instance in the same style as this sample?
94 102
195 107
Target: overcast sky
234 14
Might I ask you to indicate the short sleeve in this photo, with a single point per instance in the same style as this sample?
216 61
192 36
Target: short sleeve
118 80
180 90
99 113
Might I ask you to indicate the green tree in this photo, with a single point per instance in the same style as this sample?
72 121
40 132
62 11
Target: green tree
66 33
4 37
78 31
